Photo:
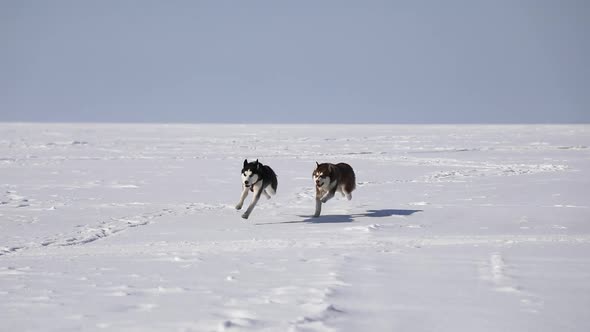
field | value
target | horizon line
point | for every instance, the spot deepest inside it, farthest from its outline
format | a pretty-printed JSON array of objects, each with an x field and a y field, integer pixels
[{"x": 295, "y": 123}]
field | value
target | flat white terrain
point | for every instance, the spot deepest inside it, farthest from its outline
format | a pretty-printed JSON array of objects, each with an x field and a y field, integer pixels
[{"x": 451, "y": 228}]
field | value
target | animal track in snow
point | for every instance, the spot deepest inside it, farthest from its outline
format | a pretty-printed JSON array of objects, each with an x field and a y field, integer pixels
[
  {"x": 316, "y": 322},
  {"x": 472, "y": 170},
  {"x": 238, "y": 319},
  {"x": 15, "y": 200},
  {"x": 90, "y": 233},
  {"x": 124, "y": 290},
  {"x": 123, "y": 186},
  {"x": 104, "y": 229},
  {"x": 495, "y": 271},
  {"x": 13, "y": 270},
  {"x": 85, "y": 234},
  {"x": 365, "y": 229},
  {"x": 9, "y": 250},
  {"x": 498, "y": 274},
  {"x": 305, "y": 193}
]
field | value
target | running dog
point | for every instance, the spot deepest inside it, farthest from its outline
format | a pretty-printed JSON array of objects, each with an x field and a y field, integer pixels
[
  {"x": 259, "y": 179},
  {"x": 330, "y": 178}
]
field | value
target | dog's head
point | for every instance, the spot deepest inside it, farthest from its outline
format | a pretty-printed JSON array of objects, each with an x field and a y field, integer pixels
[
  {"x": 322, "y": 175},
  {"x": 250, "y": 172}
]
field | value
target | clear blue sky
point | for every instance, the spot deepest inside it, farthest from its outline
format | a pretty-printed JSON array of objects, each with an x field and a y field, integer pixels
[{"x": 500, "y": 61}]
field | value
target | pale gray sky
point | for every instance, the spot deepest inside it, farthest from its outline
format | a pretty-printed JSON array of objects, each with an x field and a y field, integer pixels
[{"x": 501, "y": 61}]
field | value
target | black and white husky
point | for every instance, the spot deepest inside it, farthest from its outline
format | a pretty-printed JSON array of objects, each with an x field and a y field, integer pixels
[
  {"x": 259, "y": 179},
  {"x": 330, "y": 178}
]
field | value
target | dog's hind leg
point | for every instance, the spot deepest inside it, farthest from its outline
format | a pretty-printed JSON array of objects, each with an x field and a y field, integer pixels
[
  {"x": 257, "y": 192},
  {"x": 266, "y": 194},
  {"x": 242, "y": 197},
  {"x": 345, "y": 193},
  {"x": 270, "y": 191}
]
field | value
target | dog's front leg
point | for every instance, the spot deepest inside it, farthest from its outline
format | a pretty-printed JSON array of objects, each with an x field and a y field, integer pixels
[
  {"x": 257, "y": 194},
  {"x": 328, "y": 195},
  {"x": 242, "y": 197},
  {"x": 318, "y": 207},
  {"x": 318, "y": 202}
]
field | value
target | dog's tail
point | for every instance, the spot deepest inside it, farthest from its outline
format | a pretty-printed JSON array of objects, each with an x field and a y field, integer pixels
[{"x": 274, "y": 183}]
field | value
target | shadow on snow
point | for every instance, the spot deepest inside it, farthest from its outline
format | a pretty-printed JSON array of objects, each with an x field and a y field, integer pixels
[{"x": 330, "y": 219}]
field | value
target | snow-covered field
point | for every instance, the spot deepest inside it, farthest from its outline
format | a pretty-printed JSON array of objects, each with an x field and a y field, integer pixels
[{"x": 451, "y": 228}]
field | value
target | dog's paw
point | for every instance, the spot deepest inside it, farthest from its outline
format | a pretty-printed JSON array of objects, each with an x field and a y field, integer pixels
[
  {"x": 239, "y": 207},
  {"x": 245, "y": 215},
  {"x": 324, "y": 200},
  {"x": 316, "y": 215}
]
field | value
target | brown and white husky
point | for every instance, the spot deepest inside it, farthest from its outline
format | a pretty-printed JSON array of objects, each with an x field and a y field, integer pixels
[{"x": 330, "y": 178}]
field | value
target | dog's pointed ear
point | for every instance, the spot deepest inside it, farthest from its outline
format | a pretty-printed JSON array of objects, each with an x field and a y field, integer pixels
[
  {"x": 245, "y": 162},
  {"x": 317, "y": 164},
  {"x": 257, "y": 164}
]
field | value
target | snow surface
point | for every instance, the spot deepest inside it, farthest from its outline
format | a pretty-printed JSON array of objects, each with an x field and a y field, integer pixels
[{"x": 451, "y": 228}]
